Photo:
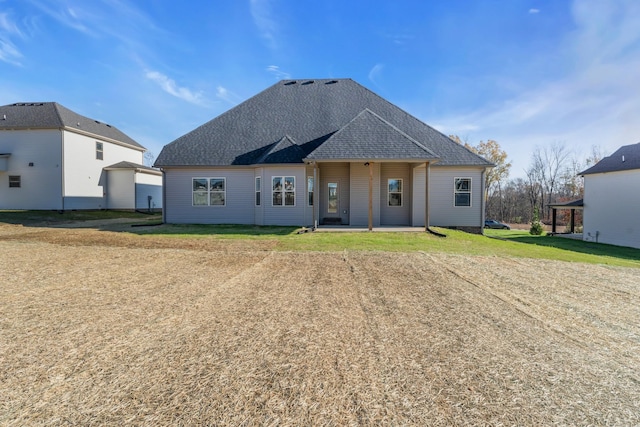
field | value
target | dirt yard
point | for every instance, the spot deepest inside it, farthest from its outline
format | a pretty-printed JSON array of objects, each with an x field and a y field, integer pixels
[{"x": 103, "y": 328}]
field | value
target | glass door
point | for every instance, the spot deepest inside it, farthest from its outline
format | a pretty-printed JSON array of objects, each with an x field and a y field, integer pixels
[{"x": 333, "y": 205}]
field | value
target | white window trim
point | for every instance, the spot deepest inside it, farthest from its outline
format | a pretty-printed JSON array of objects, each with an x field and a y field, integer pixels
[
  {"x": 470, "y": 192},
  {"x": 401, "y": 192},
  {"x": 17, "y": 179},
  {"x": 312, "y": 190},
  {"x": 209, "y": 191},
  {"x": 255, "y": 199},
  {"x": 100, "y": 150},
  {"x": 283, "y": 191}
]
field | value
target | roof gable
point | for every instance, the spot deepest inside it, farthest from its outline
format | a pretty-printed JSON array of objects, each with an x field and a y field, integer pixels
[
  {"x": 51, "y": 115},
  {"x": 284, "y": 151},
  {"x": 310, "y": 112},
  {"x": 369, "y": 136},
  {"x": 625, "y": 158}
]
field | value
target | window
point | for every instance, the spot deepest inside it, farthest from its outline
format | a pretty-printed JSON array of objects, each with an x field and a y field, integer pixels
[
  {"x": 14, "y": 181},
  {"x": 99, "y": 150},
  {"x": 310, "y": 190},
  {"x": 258, "y": 190},
  {"x": 209, "y": 191},
  {"x": 462, "y": 192},
  {"x": 332, "y": 205},
  {"x": 395, "y": 192},
  {"x": 283, "y": 191}
]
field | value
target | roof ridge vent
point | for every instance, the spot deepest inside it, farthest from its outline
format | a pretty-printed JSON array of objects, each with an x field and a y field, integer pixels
[
  {"x": 330, "y": 82},
  {"x": 308, "y": 82},
  {"x": 290, "y": 83}
]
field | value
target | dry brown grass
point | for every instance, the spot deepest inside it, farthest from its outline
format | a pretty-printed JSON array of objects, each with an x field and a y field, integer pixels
[{"x": 106, "y": 328}]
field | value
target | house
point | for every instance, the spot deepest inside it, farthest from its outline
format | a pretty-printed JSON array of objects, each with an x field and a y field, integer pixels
[
  {"x": 612, "y": 200},
  {"x": 52, "y": 158},
  {"x": 321, "y": 152}
]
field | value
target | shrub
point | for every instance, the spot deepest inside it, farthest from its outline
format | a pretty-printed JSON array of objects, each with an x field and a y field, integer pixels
[{"x": 536, "y": 226}]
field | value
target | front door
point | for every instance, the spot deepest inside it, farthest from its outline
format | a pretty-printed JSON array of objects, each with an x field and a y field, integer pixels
[{"x": 334, "y": 194}]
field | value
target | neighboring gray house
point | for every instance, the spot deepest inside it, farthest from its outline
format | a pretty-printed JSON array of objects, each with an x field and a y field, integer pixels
[
  {"x": 612, "y": 200},
  {"x": 307, "y": 152},
  {"x": 52, "y": 158}
]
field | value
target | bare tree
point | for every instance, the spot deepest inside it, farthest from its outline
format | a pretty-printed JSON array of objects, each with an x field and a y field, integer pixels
[
  {"x": 149, "y": 158},
  {"x": 549, "y": 163},
  {"x": 495, "y": 176}
]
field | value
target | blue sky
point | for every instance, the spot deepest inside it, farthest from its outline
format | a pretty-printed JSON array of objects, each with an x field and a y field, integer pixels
[{"x": 526, "y": 73}]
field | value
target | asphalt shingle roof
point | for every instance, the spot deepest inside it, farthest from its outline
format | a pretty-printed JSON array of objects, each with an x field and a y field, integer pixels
[
  {"x": 369, "y": 136},
  {"x": 625, "y": 158},
  {"x": 131, "y": 165},
  {"x": 309, "y": 114},
  {"x": 51, "y": 115}
]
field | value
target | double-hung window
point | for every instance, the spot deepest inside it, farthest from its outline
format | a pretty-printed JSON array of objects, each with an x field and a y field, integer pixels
[
  {"x": 283, "y": 190},
  {"x": 99, "y": 150},
  {"x": 462, "y": 192},
  {"x": 395, "y": 192},
  {"x": 209, "y": 191},
  {"x": 258, "y": 191},
  {"x": 14, "y": 181}
]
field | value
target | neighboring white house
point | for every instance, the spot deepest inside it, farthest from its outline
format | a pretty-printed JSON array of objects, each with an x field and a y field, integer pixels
[
  {"x": 52, "y": 158},
  {"x": 325, "y": 152},
  {"x": 612, "y": 199}
]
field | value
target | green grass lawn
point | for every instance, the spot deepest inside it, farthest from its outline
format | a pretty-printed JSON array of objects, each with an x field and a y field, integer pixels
[{"x": 511, "y": 243}]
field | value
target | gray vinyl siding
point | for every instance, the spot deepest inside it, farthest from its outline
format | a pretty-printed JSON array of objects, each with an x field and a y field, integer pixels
[
  {"x": 335, "y": 172},
  {"x": 359, "y": 196},
  {"x": 239, "y": 208},
  {"x": 395, "y": 215},
  {"x": 285, "y": 215},
  {"x": 419, "y": 197},
  {"x": 441, "y": 201}
]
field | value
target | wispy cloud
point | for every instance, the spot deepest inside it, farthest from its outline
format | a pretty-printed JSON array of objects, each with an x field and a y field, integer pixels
[
  {"x": 278, "y": 73},
  {"x": 9, "y": 53},
  {"x": 261, "y": 12},
  {"x": 375, "y": 72},
  {"x": 170, "y": 86},
  {"x": 227, "y": 96},
  {"x": 69, "y": 17},
  {"x": 533, "y": 11},
  {"x": 595, "y": 102}
]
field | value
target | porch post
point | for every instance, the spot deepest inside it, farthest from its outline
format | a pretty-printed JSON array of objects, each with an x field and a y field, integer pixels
[
  {"x": 573, "y": 221},
  {"x": 553, "y": 220},
  {"x": 370, "y": 195},
  {"x": 427, "y": 169},
  {"x": 315, "y": 194}
]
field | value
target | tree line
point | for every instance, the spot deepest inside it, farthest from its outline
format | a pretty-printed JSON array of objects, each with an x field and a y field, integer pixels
[{"x": 551, "y": 177}]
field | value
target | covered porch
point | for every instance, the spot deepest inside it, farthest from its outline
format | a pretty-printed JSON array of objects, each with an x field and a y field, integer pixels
[
  {"x": 368, "y": 195},
  {"x": 572, "y": 206}
]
